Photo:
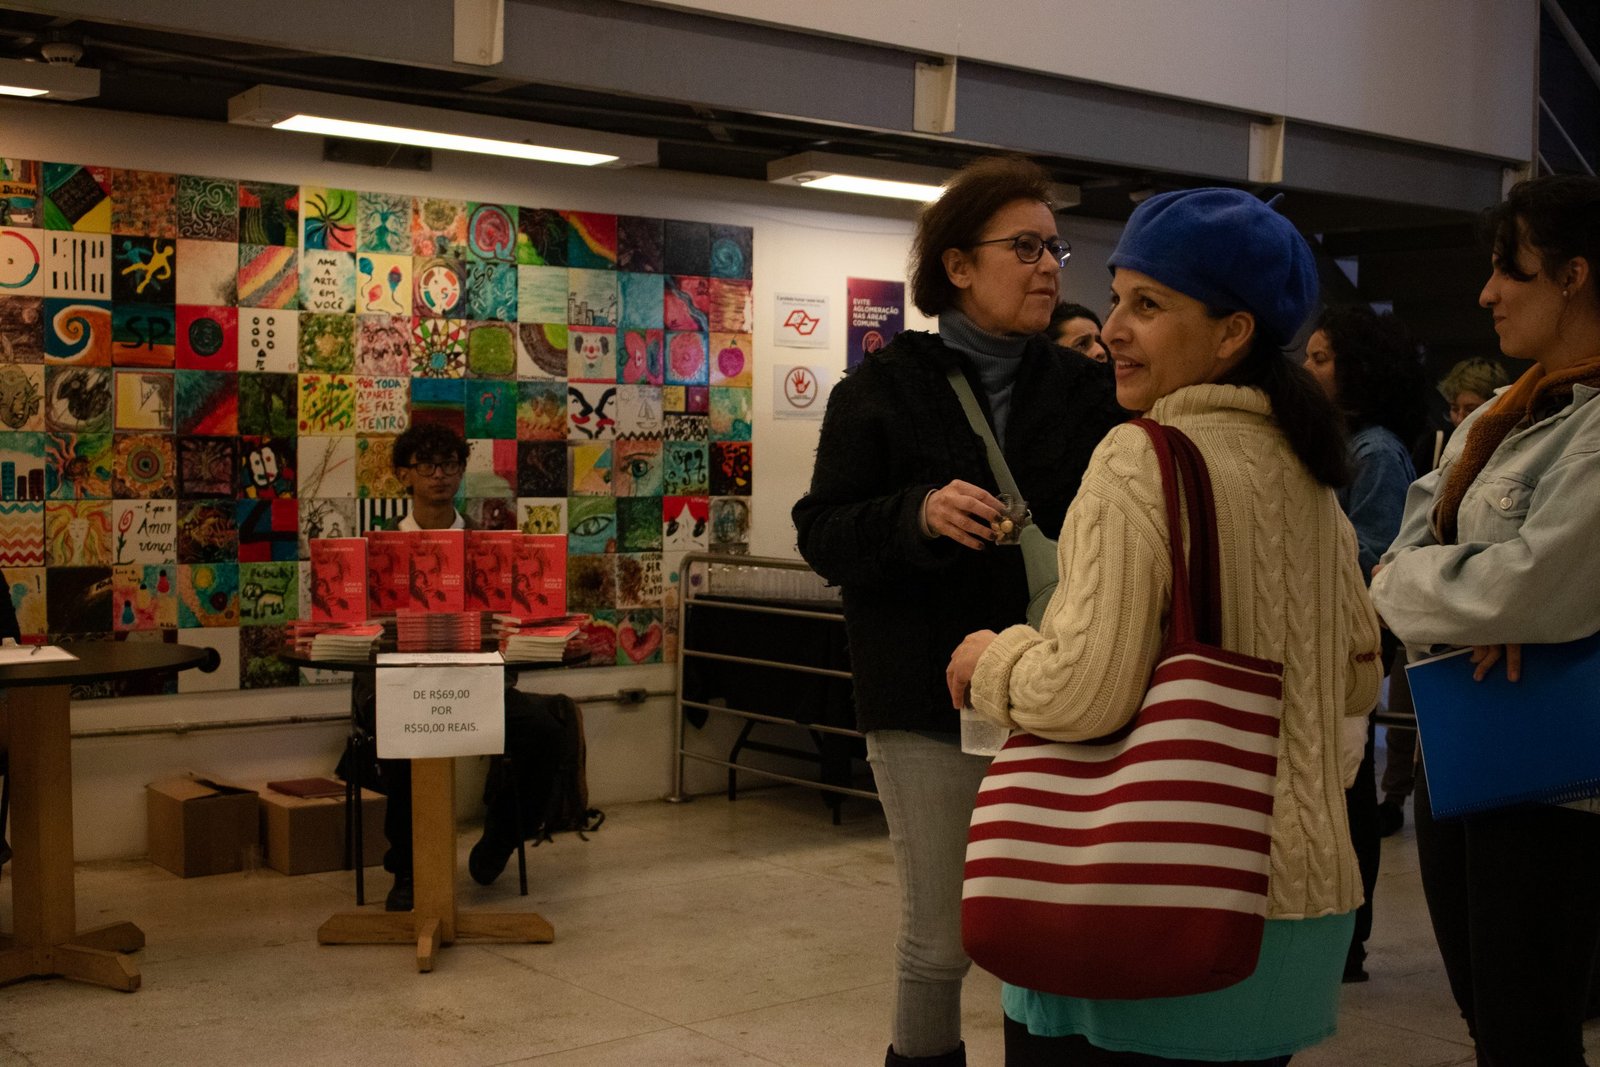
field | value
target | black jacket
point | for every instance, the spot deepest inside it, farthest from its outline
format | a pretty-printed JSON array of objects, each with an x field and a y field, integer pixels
[{"x": 893, "y": 432}]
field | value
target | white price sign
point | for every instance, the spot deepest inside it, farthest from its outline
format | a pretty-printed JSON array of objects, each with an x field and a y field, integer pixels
[{"x": 440, "y": 708}]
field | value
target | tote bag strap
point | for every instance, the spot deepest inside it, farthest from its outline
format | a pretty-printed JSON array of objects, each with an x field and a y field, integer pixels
[
  {"x": 1196, "y": 583},
  {"x": 980, "y": 426}
]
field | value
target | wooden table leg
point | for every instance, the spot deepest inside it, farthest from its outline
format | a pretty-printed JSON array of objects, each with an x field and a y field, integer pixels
[{"x": 45, "y": 940}]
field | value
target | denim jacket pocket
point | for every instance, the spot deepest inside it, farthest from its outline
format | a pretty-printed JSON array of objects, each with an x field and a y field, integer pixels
[{"x": 1500, "y": 508}]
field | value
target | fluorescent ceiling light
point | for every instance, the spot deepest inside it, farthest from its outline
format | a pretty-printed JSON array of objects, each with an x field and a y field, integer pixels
[
  {"x": 54, "y": 81},
  {"x": 424, "y": 127},
  {"x": 848, "y": 174}
]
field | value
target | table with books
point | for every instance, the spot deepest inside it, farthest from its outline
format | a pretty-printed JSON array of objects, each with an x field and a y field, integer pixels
[{"x": 374, "y": 623}]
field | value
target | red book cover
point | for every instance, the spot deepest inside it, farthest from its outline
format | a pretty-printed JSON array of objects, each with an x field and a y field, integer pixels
[
  {"x": 490, "y": 569},
  {"x": 388, "y": 571},
  {"x": 338, "y": 579},
  {"x": 438, "y": 559},
  {"x": 539, "y": 582}
]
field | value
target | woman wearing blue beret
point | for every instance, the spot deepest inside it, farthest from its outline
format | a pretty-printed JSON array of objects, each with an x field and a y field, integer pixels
[{"x": 1208, "y": 286}]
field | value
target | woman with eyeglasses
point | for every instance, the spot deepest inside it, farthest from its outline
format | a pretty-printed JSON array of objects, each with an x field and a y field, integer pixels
[{"x": 902, "y": 515}]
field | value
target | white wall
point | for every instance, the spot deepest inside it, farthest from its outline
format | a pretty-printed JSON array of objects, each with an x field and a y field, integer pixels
[
  {"x": 804, "y": 241},
  {"x": 1454, "y": 73}
]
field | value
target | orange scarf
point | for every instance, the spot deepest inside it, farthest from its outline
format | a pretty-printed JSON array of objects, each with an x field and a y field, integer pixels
[{"x": 1532, "y": 397}]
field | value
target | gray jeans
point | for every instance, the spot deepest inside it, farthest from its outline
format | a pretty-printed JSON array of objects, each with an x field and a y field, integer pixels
[{"x": 927, "y": 788}]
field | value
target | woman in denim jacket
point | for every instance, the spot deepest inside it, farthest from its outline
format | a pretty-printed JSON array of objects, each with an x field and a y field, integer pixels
[{"x": 1497, "y": 549}]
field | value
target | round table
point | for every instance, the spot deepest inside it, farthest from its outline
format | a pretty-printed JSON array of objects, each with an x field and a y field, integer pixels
[{"x": 45, "y": 939}]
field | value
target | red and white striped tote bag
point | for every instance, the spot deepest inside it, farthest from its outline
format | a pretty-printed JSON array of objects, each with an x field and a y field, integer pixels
[{"x": 1135, "y": 865}]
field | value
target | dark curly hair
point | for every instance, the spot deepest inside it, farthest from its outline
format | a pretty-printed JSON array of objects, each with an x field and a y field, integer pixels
[
  {"x": 1377, "y": 369},
  {"x": 957, "y": 218},
  {"x": 430, "y": 441},
  {"x": 1560, "y": 214}
]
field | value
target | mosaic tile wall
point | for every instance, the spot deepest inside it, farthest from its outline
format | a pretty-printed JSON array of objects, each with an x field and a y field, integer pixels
[{"x": 198, "y": 374}]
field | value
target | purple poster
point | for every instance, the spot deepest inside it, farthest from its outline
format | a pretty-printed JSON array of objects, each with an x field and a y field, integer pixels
[{"x": 877, "y": 311}]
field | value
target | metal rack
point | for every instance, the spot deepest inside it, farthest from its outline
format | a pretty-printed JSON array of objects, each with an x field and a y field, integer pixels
[{"x": 761, "y": 586}]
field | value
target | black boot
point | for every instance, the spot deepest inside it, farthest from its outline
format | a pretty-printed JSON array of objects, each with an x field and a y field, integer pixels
[
  {"x": 955, "y": 1058},
  {"x": 401, "y": 895},
  {"x": 493, "y": 850}
]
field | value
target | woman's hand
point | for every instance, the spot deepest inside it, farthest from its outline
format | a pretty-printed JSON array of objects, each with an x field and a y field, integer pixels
[
  {"x": 1486, "y": 656},
  {"x": 963, "y": 512},
  {"x": 963, "y": 662}
]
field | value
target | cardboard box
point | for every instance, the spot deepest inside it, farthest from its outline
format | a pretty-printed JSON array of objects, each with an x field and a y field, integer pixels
[
  {"x": 200, "y": 825},
  {"x": 304, "y": 835}
]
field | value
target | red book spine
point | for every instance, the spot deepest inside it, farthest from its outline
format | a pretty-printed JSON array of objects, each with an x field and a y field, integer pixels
[
  {"x": 539, "y": 582},
  {"x": 338, "y": 579},
  {"x": 388, "y": 571},
  {"x": 438, "y": 560}
]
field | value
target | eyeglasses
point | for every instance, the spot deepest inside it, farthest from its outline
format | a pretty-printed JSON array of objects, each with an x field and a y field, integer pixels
[
  {"x": 1030, "y": 246},
  {"x": 427, "y": 470}
]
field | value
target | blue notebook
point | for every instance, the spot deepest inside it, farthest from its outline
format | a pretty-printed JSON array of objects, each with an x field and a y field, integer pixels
[{"x": 1495, "y": 743}]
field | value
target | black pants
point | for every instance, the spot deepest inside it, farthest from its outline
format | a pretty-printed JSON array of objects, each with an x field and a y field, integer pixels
[
  {"x": 1027, "y": 1050},
  {"x": 1515, "y": 901},
  {"x": 1361, "y": 807}
]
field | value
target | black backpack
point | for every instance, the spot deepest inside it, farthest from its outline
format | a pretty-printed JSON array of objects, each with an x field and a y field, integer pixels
[{"x": 548, "y": 759}]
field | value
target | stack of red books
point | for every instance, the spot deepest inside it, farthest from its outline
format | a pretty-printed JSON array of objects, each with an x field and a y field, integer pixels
[
  {"x": 438, "y": 631},
  {"x": 537, "y": 639}
]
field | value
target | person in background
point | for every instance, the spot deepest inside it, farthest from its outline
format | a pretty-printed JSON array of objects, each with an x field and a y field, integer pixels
[
  {"x": 1497, "y": 550},
  {"x": 900, "y": 514},
  {"x": 1368, "y": 365},
  {"x": 1208, "y": 286},
  {"x": 1467, "y": 387},
  {"x": 1076, "y": 327}
]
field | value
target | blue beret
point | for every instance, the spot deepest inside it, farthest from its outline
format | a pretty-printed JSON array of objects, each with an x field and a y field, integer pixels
[{"x": 1227, "y": 249}]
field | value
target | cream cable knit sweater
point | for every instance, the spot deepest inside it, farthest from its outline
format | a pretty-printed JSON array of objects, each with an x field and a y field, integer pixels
[{"x": 1293, "y": 593}]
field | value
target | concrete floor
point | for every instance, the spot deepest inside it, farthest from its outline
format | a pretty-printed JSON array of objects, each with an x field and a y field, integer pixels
[{"x": 711, "y": 934}]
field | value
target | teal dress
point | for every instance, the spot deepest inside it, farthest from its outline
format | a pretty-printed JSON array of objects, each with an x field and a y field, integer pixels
[{"x": 1291, "y": 1002}]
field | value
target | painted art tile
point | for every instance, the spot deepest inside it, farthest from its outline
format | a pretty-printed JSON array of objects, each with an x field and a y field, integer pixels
[
  {"x": 686, "y": 248},
  {"x": 143, "y": 335},
  {"x": 207, "y": 208},
  {"x": 206, "y": 466},
  {"x": 491, "y": 349},
  {"x": 730, "y": 468},
  {"x": 375, "y": 475},
  {"x": 591, "y": 354},
  {"x": 687, "y": 304},
  {"x": 640, "y": 632},
  {"x": 19, "y": 193},
  {"x": 27, "y": 591},
  {"x": 590, "y": 411},
  {"x": 730, "y": 414},
  {"x": 269, "y": 214},
  {"x": 327, "y": 281},
  {"x": 76, "y": 198},
  {"x": 77, "y": 533},
  {"x": 592, "y": 298},
  {"x": 383, "y": 223},
  {"x": 730, "y": 525},
  {"x": 327, "y": 467},
  {"x": 266, "y": 469},
  {"x": 207, "y": 402},
  {"x": 269, "y": 276},
  {"x": 590, "y": 466},
  {"x": 208, "y": 532},
  {"x": 492, "y": 409},
  {"x": 643, "y": 301},
  {"x": 260, "y": 665},
  {"x": 208, "y": 594},
  {"x": 22, "y": 397},
  {"x": 78, "y": 466},
  {"x": 144, "y": 596},
  {"x": 591, "y": 525},
  {"x": 145, "y": 466},
  {"x": 144, "y": 203},
  {"x": 208, "y": 338},
  {"x": 210, "y": 275},
  {"x": 731, "y": 309},
  {"x": 327, "y": 343},
  {"x": 383, "y": 345},
  {"x": 77, "y": 266},
  {"x": 383, "y": 513},
  {"x": 642, "y": 359},
  {"x": 328, "y": 517},
  {"x": 438, "y": 348},
  {"x": 546, "y": 516},
  {"x": 639, "y": 411},
  {"x": 439, "y": 228},
  {"x": 492, "y": 233},
  {"x": 491, "y": 513},
  {"x": 269, "y": 403},
  {"x": 491, "y": 468},
  {"x": 685, "y": 469},
  {"x": 542, "y": 237},
  {"x": 731, "y": 251},
  {"x": 327, "y": 404},
  {"x": 269, "y": 341},
  {"x": 328, "y": 219},
  {"x": 591, "y": 239},
  {"x": 21, "y": 535},
  {"x": 269, "y": 530},
  {"x": 639, "y": 524},
  {"x": 591, "y": 583},
  {"x": 491, "y": 290},
  {"x": 383, "y": 404},
  {"x": 542, "y": 294},
  {"x": 730, "y": 359},
  {"x": 77, "y": 399},
  {"x": 383, "y": 284},
  {"x": 440, "y": 288},
  {"x": 636, "y": 464},
  {"x": 541, "y": 468},
  {"x": 639, "y": 586},
  {"x": 541, "y": 411},
  {"x": 22, "y": 261},
  {"x": 687, "y": 361},
  {"x": 144, "y": 531},
  {"x": 144, "y": 270},
  {"x": 440, "y": 400},
  {"x": 21, "y": 328},
  {"x": 697, "y": 402},
  {"x": 542, "y": 350},
  {"x": 144, "y": 400},
  {"x": 268, "y": 593},
  {"x": 640, "y": 244}
]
